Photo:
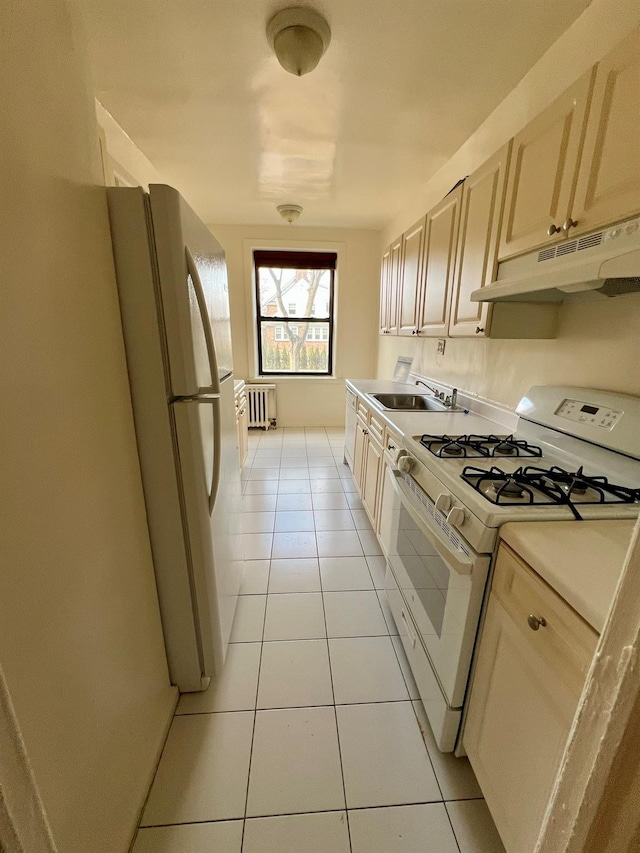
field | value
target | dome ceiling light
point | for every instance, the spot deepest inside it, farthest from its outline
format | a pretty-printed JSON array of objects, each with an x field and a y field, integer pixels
[
  {"x": 299, "y": 37},
  {"x": 289, "y": 212}
]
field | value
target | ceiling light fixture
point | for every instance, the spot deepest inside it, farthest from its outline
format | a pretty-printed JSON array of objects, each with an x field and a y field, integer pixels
[
  {"x": 289, "y": 212},
  {"x": 299, "y": 37}
]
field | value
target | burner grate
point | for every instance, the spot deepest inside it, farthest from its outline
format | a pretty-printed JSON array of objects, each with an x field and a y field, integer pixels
[
  {"x": 546, "y": 486},
  {"x": 485, "y": 446}
]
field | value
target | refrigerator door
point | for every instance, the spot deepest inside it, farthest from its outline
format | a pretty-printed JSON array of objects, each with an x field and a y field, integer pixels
[
  {"x": 207, "y": 451},
  {"x": 194, "y": 295}
]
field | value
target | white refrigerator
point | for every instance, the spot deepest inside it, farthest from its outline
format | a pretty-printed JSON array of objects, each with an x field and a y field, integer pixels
[{"x": 174, "y": 301}]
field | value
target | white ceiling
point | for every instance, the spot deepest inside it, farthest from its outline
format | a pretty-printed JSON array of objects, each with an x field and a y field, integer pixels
[{"x": 403, "y": 84}]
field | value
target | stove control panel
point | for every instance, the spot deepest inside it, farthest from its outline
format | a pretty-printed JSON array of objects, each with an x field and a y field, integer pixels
[{"x": 589, "y": 414}]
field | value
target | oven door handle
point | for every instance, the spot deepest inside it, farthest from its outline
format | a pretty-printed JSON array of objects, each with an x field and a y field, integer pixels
[{"x": 451, "y": 557}]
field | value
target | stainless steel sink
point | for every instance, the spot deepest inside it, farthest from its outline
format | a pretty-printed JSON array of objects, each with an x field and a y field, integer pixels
[{"x": 410, "y": 402}]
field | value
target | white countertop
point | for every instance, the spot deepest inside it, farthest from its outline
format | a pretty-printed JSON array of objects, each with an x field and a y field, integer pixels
[
  {"x": 419, "y": 423},
  {"x": 581, "y": 560}
]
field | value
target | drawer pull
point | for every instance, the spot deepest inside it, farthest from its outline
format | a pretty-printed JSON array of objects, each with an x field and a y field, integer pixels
[{"x": 534, "y": 622}]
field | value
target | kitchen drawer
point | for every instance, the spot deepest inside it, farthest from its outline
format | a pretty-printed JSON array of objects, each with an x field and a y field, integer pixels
[
  {"x": 376, "y": 429},
  {"x": 526, "y": 597},
  {"x": 444, "y": 721},
  {"x": 362, "y": 410}
]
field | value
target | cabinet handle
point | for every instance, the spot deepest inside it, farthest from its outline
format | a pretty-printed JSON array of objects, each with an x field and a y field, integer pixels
[
  {"x": 534, "y": 622},
  {"x": 569, "y": 223},
  {"x": 553, "y": 229},
  {"x": 479, "y": 330},
  {"x": 365, "y": 432}
]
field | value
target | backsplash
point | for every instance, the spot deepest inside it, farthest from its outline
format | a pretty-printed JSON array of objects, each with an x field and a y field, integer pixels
[{"x": 597, "y": 346}]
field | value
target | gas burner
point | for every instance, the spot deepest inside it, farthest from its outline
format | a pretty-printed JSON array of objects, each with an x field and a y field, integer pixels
[
  {"x": 458, "y": 446},
  {"x": 506, "y": 445},
  {"x": 504, "y": 449},
  {"x": 469, "y": 446},
  {"x": 546, "y": 486},
  {"x": 508, "y": 488},
  {"x": 452, "y": 449},
  {"x": 578, "y": 487}
]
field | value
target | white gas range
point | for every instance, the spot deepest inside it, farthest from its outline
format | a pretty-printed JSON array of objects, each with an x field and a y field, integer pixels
[{"x": 574, "y": 455}]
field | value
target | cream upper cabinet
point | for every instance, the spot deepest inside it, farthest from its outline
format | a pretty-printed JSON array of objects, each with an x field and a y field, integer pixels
[
  {"x": 390, "y": 283},
  {"x": 543, "y": 172},
  {"x": 524, "y": 695},
  {"x": 412, "y": 278},
  {"x": 385, "y": 284},
  {"x": 439, "y": 253},
  {"x": 609, "y": 178},
  {"x": 395, "y": 284},
  {"x": 476, "y": 257}
]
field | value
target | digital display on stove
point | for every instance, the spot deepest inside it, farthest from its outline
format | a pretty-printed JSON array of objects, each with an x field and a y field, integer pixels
[{"x": 590, "y": 416}]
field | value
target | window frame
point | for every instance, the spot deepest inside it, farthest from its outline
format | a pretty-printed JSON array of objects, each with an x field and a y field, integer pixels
[{"x": 296, "y": 259}]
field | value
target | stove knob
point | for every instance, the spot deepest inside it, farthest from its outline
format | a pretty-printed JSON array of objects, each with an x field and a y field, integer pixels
[
  {"x": 443, "y": 502},
  {"x": 456, "y": 516},
  {"x": 406, "y": 464}
]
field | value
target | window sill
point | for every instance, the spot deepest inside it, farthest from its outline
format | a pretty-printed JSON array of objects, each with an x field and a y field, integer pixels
[{"x": 282, "y": 377}]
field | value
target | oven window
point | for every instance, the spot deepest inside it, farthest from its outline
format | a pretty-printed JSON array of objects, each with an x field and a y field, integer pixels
[{"x": 427, "y": 571}]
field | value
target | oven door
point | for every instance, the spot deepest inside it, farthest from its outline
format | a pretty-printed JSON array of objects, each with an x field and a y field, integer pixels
[{"x": 440, "y": 578}]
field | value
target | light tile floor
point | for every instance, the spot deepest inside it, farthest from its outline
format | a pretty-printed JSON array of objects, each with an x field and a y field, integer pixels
[{"x": 314, "y": 740}]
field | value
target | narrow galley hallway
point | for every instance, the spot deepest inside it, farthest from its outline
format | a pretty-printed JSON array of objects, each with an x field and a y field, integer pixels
[{"x": 314, "y": 740}]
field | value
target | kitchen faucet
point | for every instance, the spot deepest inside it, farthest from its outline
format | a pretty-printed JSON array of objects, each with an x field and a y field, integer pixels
[{"x": 449, "y": 401}]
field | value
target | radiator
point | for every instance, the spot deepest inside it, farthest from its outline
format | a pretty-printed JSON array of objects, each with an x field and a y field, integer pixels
[{"x": 261, "y": 399}]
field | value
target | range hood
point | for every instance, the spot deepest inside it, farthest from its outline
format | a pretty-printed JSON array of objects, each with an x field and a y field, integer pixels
[{"x": 601, "y": 264}]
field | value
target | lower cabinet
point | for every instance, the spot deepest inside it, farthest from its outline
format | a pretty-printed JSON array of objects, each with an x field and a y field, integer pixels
[
  {"x": 374, "y": 445},
  {"x": 371, "y": 475},
  {"x": 242, "y": 425},
  {"x": 358, "y": 452},
  {"x": 533, "y": 657}
]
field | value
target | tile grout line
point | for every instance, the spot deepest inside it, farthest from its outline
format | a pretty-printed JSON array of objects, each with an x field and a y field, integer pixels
[
  {"x": 255, "y": 717},
  {"x": 335, "y": 716},
  {"x": 317, "y": 811}
]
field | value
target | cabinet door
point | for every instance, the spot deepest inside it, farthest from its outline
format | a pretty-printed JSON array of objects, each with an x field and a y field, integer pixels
[
  {"x": 476, "y": 257},
  {"x": 395, "y": 284},
  {"x": 609, "y": 179},
  {"x": 439, "y": 252},
  {"x": 523, "y": 698},
  {"x": 358, "y": 454},
  {"x": 371, "y": 478},
  {"x": 543, "y": 172},
  {"x": 385, "y": 283},
  {"x": 412, "y": 276},
  {"x": 520, "y": 713}
]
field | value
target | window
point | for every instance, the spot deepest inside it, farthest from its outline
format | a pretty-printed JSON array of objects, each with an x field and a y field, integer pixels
[{"x": 292, "y": 285}]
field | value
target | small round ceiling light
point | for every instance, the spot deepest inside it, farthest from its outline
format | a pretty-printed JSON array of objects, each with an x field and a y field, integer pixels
[
  {"x": 289, "y": 212},
  {"x": 299, "y": 37}
]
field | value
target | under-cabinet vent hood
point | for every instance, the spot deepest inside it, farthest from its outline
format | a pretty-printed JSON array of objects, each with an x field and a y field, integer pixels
[{"x": 603, "y": 263}]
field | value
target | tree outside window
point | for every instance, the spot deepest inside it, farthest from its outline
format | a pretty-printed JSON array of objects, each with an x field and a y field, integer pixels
[{"x": 292, "y": 284}]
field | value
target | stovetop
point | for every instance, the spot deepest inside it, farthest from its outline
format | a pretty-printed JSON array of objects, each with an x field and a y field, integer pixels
[
  {"x": 478, "y": 446},
  {"x": 534, "y": 485},
  {"x": 561, "y": 455}
]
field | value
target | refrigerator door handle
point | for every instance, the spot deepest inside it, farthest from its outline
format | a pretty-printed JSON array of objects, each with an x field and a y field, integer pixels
[
  {"x": 204, "y": 315},
  {"x": 217, "y": 454}
]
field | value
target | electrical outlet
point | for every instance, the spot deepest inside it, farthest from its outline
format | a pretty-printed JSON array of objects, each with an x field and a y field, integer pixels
[{"x": 441, "y": 345}]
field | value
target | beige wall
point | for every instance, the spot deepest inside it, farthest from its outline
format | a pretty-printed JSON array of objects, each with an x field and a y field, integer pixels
[
  {"x": 80, "y": 636},
  {"x": 309, "y": 402},
  {"x": 598, "y": 343}
]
